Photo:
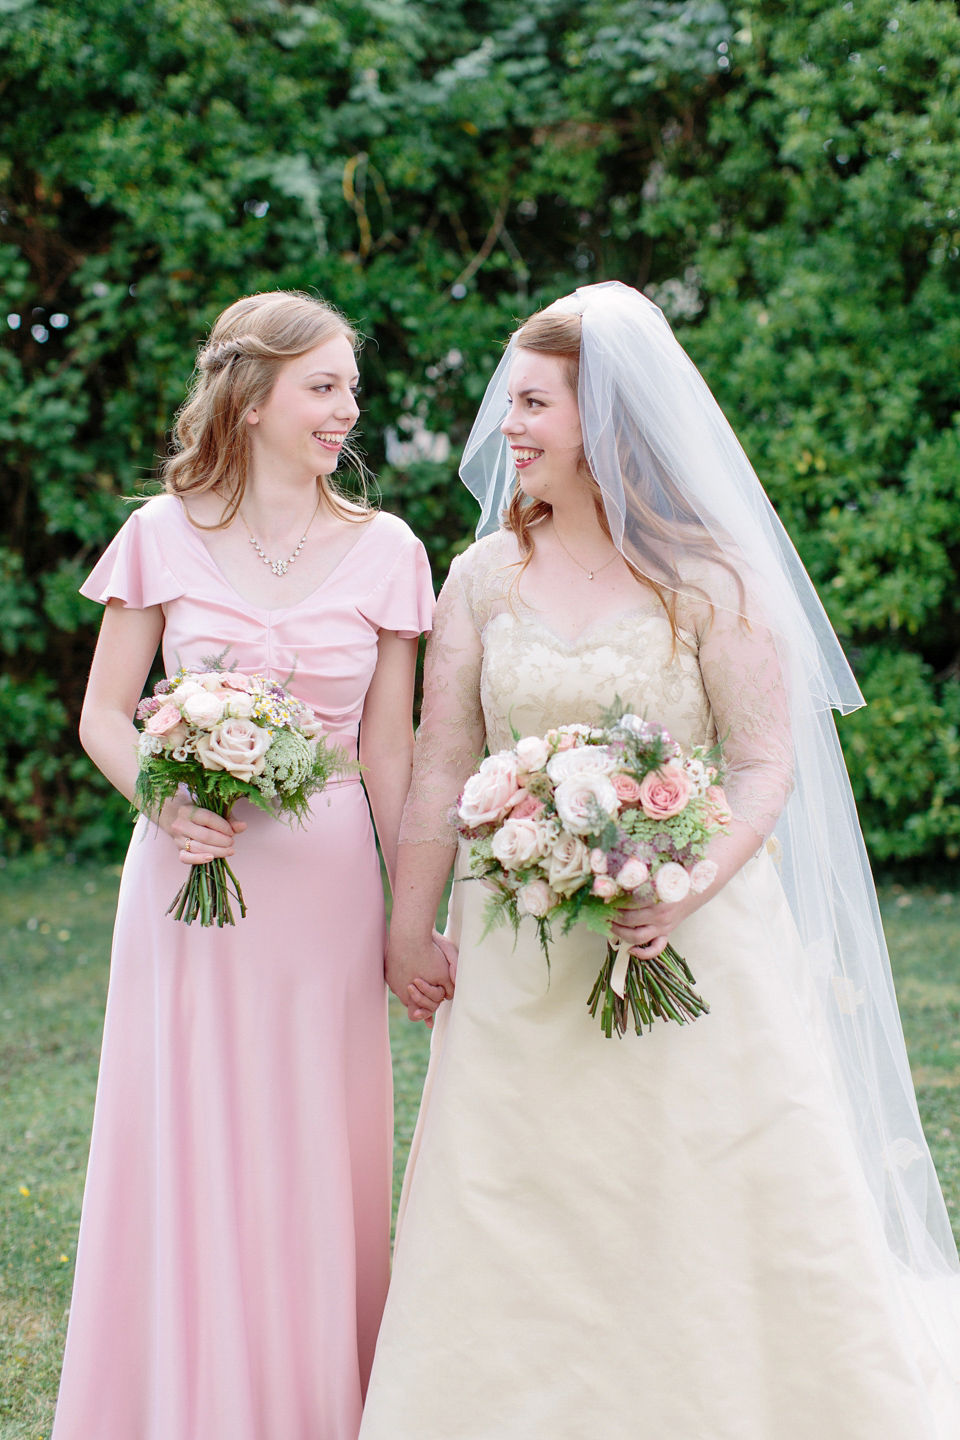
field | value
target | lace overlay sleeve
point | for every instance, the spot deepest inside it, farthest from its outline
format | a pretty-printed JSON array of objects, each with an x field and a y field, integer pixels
[
  {"x": 745, "y": 686},
  {"x": 451, "y": 736}
]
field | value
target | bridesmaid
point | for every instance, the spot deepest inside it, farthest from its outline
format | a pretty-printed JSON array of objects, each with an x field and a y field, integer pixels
[{"x": 233, "y": 1254}]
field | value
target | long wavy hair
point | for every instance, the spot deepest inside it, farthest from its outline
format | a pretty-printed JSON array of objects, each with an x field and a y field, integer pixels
[
  {"x": 236, "y": 372},
  {"x": 659, "y": 524}
]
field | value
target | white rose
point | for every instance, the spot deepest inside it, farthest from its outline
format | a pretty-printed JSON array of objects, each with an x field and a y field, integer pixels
[
  {"x": 672, "y": 883},
  {"x": 585, "y": 803},
  {"x": 517, "y": 843},
  {"x": 532, "y": 753},
  {"x": 487, "y": 794},
  {"x": 240, "y": 704},
  {"x": 210, "y": 680},
  {"x": 703, "y": 875},
  {"x": 568, "y": 864},
  {"x": 536, "y": 898},
  {"x": 585, "y": 760},
  {"x": 203, "y": 709},
  {"x": 632, "y": 874},
  {"x": 185, "y": 688},
  {"x": 237, "y": 746},
  {"x": 309, "y": 724}
]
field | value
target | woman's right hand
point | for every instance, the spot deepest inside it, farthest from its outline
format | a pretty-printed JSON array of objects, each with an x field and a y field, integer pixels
[{"x": 200, "y": 835}]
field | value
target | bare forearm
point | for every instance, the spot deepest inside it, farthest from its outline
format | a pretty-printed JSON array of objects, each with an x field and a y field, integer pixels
[
  {"x": 387, "y": 780},
  {"x": 422, "y": 872},
  {"x": 110, "y": 739}
]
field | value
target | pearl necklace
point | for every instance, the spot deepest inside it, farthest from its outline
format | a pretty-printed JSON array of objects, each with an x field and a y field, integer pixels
[{"x": 279, "y": 567}]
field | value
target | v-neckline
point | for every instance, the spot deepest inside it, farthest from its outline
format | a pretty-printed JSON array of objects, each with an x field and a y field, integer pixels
[{"x": 268, "y": 609}]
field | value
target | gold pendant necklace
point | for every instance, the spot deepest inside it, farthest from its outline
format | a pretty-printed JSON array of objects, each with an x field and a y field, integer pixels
[
  {"x": 589, "y": 573},
  {"x": 279, "y": 567}
]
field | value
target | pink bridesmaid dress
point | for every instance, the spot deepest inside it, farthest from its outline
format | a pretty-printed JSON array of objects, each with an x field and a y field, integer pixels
[{"x": 234, "y": 1245}]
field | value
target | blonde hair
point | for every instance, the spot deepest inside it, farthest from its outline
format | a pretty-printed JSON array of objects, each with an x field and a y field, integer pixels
[
  {"x": 236, "y": 371},
  {"x": 650, "y": 535}
]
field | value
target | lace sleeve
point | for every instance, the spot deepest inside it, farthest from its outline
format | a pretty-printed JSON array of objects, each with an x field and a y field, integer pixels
[
  {"x": 451, "y": 736},
  {"x": 745, "y": 686}
]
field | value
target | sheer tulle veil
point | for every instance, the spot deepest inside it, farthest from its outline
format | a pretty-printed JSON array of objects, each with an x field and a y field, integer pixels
[{"x": 677, "y": 487}]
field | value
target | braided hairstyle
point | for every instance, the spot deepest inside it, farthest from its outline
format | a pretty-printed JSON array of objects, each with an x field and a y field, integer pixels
[{"x": 236, "y": 371}]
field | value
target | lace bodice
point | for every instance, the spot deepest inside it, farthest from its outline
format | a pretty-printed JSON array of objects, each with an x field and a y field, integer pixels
[{"x": 494, "y": 666}]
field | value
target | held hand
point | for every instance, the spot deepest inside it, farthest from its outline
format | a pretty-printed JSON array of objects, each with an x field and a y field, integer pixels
[
  {"x": 200, "y": 834},
  {"x": 419, "y": 973},
  {"x": 647, "y": 929}
]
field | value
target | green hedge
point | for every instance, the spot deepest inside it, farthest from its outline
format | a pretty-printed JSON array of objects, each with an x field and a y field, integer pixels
[{"x": 783, "y": 178}]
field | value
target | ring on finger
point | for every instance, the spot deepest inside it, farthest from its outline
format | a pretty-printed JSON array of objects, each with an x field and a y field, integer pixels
[{"x": 186, "y": 845}]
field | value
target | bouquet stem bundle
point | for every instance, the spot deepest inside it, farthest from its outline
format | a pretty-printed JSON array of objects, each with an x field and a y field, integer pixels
[
  {"x": 205, "y": 894},
  {"x": 659, "y": 988}
]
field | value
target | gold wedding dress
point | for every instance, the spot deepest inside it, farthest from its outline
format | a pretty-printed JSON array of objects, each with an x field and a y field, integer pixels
[{"x": 656, "y": 1238}]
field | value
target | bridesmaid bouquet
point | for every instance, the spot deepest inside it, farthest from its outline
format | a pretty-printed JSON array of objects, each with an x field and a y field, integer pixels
[
  {"x": 223, "y": 736},
  {"x": 589, "y": 820}
]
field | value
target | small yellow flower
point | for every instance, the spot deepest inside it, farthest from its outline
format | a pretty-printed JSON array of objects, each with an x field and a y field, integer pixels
[
  {"x": 63, "y": 934},
  {"x": 24, "y": 1191},
  {"x": 64, "y": 1259}
]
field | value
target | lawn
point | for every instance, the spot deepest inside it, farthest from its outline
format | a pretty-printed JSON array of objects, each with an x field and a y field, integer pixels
[{"x": 54, "y": 941}]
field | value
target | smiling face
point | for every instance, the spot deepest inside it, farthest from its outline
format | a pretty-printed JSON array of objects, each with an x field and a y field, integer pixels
[
  {"x": 310, "y": 410},
  {"x": 543, "y": 425}
]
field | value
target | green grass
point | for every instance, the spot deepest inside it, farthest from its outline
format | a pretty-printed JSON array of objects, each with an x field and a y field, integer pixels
[{"x": 55, "y": 928}]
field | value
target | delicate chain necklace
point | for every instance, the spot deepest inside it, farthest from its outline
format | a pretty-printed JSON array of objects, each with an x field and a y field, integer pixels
[
  {"x": 280, "y": 567},
  {"x": 589, "y": 573}
]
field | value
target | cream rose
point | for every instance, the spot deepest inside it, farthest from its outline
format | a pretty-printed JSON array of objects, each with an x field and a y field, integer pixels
[
  {"x": 665, "y": 792},
  {"x": 203, "y": 709},
  {"x": 672, "y": 883},
  {"x": 604, "y": 886},
  {"x": 585, "y": 803},
  {"x": 536, "y": 899},
  {"x": 211, "y": 680},
  {"x": 185, "y": 688},
  {"x": 241, "y": 704},
  {"x": 702, "y": 876},
  {"x": 309, "y": 724},
  {"x": 568, "y": 864},
  {"x": 518, "y": 843},
  {"x": 632, "y": 874},
  {"x": 598, "y": 862},
  {"x": 585, "y": 760},
  {"x": 237, "y": 746},
  {"x": 487, "y": 794},
  {"x": 532, "y": 753}
]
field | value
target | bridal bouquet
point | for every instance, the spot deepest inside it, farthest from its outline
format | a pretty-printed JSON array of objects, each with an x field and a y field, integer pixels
[
  {"x": 223, "y": 736},
  {"x": 590, "y": 820}
]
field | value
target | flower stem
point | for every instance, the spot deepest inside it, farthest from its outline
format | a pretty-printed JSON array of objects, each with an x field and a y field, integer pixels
[{"x": 658, "y": 988}]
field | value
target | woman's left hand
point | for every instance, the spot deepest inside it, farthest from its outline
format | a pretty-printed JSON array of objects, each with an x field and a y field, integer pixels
[{"x": 647, "y": 929}]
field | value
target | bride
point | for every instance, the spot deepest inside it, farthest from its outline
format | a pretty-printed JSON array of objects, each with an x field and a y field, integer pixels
[{"x": 729, "y": 1231}]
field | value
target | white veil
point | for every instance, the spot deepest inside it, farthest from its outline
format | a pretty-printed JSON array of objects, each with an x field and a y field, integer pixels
[{"x": 660, "y": 448}]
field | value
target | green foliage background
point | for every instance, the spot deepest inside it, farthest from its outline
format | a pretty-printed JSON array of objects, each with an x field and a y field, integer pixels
[{"x": 784, "y": 177}]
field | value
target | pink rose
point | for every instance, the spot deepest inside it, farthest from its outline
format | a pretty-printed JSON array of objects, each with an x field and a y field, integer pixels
[
  {"x": 535, "y": 899},
  {"x": 526, "y": 807},
  {"x": 585, "y": 803},
  {"x": 702, "y": 876},
  {"x": 566, "y": 742},
  {"x": 718, "y": 810},
  {"x": 487, "y": 794},
  {"x": 672, "y": 883},
  {"x": 518, "y": 843},
  {"x": 604, "y": 886},
  {"x": 628, "y": 789},
  {"x": 598, "y": 862},
  {"x": 665, "y": 792},
  {"x": 231, "y": 680},
  {"x": 165, "y": 720},
  {"x": 632, "y": 875},
  {"x": 237, "y": 746}
]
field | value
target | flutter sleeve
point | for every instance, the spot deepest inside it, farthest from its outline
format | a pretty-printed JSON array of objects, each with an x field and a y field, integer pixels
[
  {"x": 133, "y": 567},
  {"x": 403, "y": 599},
  {"x": 745, "y": 685},
  {"x": 451, "y": 736}
]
